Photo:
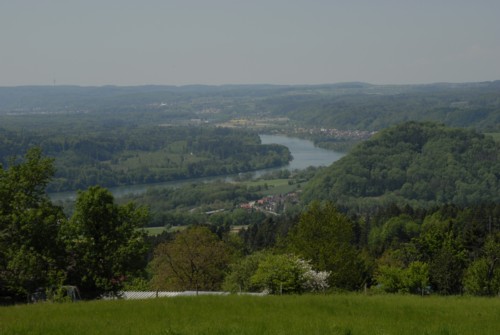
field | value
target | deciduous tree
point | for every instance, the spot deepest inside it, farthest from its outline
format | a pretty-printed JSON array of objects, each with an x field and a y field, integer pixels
[
  {"x": 30, "y": 254},
  {"x": 195, "y": 260},
  {"x": 325, "y": 236},
  {"x": 287, "y": 273},
  {"x": 482, "y": 277},
  {"x": 104, "y": 242}
]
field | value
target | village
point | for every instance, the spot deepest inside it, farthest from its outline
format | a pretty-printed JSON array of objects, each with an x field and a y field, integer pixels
[{"x": 272, "y": 204}]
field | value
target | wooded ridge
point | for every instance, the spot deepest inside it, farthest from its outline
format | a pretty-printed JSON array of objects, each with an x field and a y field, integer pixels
[{"x": 420, "y": 164}]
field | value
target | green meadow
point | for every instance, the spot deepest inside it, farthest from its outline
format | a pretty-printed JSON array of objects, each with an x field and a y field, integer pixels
[
  {"x": 306, "y": 314},
  {"x": 274, "y": 186}
]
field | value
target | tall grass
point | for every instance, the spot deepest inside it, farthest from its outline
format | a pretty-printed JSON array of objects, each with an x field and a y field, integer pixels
[{"x": 332, "y": 314}]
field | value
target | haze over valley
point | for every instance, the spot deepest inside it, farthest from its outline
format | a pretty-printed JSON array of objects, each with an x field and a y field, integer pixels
[{"x": 346, "y": 154}]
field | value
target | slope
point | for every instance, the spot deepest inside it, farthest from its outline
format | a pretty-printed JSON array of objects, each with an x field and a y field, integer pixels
[{"x": 421, "y": 164}]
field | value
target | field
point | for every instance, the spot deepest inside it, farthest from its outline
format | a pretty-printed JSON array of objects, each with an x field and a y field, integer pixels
[
  {"x": 328, "y": 314},
  {"x": 153, "y": 231},
  {"x": 274, "y": 186}
]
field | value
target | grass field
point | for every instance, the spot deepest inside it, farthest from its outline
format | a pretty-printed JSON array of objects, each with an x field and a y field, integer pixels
[
  {"x": 275, "y": 186},
  {"x": 329, "y": 314},
  {"x": 152, "y": 231}
]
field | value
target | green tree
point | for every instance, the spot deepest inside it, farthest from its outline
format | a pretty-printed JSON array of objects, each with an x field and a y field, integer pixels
[
  {"x": 394, "y": 278},
  {"x": 279, "y": 274},
  {"x": 390, "y": 278},
  {"x": 416, "y": 277},
  {"x": 447, "y": 266},
  {"x": 241, "y": 272},
  {"x": 104, "y": 242},
  {"x": 30, "y": 255},
  {"x": 195, "y": 260},
  {"x": 482, "y": 277},
  {"x": 477, "y": 280},
  {"x": 324, "y": 236}
]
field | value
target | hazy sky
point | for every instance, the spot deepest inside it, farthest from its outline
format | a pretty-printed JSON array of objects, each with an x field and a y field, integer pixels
[{"x": 178, "y": 42}]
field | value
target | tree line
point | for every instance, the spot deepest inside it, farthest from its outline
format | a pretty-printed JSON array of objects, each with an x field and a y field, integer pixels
[
  {"x": 445, "y": 250},
  {"x": 101, "y": 248},
  {"x": 149, "y": 154}
]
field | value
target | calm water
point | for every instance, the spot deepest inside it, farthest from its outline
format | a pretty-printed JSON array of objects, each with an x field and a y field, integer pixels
[{"x": 304, "y": 154}]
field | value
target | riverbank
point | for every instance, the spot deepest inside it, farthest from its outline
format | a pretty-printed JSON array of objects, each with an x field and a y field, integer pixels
[{"x": 304, "y": 153}]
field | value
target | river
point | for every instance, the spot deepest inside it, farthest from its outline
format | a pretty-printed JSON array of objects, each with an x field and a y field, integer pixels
[{"x": 304, "y": 154}]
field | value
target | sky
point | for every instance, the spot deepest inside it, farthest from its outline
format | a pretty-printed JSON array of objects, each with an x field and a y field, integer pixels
[{"x": 215, "y": 42}]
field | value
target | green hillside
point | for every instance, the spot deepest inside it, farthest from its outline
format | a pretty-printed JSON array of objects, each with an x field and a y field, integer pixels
[{"x": 421, "y": 164}]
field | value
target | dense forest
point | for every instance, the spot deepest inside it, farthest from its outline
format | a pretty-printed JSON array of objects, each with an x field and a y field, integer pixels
[
  {"x": 446, "y": 249},
  {"x": 414, "y": 209},
  {"x": 420, "y": 164},
  {"x": 133, "y": 155}
]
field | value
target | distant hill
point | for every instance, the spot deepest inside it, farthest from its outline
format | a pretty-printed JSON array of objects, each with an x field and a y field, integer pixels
[
  {"x": 355, "y": 105},
  {"x": 421, "y": 164},
  {"x": 375, "y": 107}
]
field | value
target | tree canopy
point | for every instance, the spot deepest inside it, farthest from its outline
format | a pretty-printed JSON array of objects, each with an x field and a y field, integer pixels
[
  {"x": 40, "y": 249},
  {"x": 30, "y": 254},
  {"x": 195, "y": 260},
  {"x": 421, "y": 164},
  {"x": 325, "y": 236},
  {"x": 104, "y": 242}
]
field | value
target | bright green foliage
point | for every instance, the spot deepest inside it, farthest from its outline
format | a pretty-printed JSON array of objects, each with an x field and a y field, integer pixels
[
  {"x": 279, "y": 274},
  {"x": 324, "y": 236},
  {"x": 195, "y": 260},
  {"x": 30, "y": 254},
  {"x": 483, "y": 275},
  {"x": 239, "y": 277},
  {"x": 395, "y": 279},
  {"x": 481, "y": 279},
  {"x": 389, "y": 278},
  {"x": 416, "y": 277},
  {"x": 275, "y": 273},
  {"x": 104, "y": 243}
]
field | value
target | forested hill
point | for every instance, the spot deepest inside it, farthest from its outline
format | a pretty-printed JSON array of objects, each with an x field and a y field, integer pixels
[
  {"x": 420, "y": 164},
  {"x": 376, "y": 107}
]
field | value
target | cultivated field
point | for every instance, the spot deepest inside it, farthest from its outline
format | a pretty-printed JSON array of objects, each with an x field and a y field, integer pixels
[{"x": 332, "y": 314}]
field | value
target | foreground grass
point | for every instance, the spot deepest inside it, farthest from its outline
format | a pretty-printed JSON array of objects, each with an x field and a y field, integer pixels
[{"x": 333, "y": 314}]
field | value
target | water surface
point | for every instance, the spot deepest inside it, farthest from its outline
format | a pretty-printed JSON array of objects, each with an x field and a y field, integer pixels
[{"x": 304, "y": 154}]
